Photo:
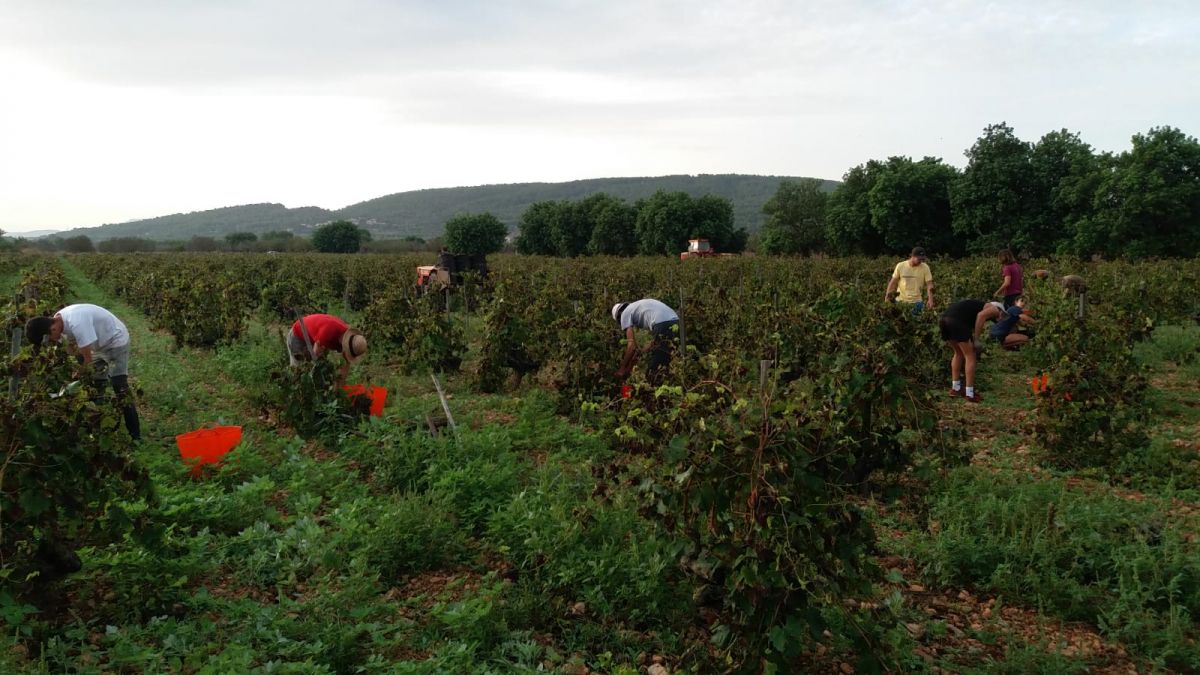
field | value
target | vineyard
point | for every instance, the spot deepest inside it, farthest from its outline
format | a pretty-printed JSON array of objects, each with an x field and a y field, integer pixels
[{"x": 799, "y": 493}]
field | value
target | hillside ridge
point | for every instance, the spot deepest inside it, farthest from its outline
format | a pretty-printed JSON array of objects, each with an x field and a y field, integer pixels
[{"x": 423, "y": 213}]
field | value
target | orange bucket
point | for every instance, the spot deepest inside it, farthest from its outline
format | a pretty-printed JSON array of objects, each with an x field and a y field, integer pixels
[
  {"x": 207, "y": 446},
  {"x": 378, "y": 396}
]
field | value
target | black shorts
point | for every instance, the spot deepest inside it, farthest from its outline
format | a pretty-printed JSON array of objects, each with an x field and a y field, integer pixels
[{"x": 954, "y": 330}]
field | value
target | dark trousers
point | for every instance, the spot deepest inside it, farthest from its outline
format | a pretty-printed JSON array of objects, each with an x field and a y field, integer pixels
[
  {"x": 120, "y": 387},
  {"x": 662, "y": 348}
]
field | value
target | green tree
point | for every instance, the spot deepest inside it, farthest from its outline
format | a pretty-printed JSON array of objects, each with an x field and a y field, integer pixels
[
  {"x": 613, "y": 228},
  {"x": 202, "y": 244},
  {"x": 340, "y": 236},
  {"x": 910, "y": 205},
  {"x": 78, "y": 244},
  {"x": 475, "y": 234},
  {"x": 849, "y": 229},
  {"x": 795, "y": 218},
  {"x": 237, "y": 240},
  {"x": 125, "y": 245},
  {"x": 1148, "y": 203},
  {"x": 666, "y": 220},
  {"x": 1067, "y": 173},
  {"x": 996, "y": 202},
  {"x": 537, "y": 228}
]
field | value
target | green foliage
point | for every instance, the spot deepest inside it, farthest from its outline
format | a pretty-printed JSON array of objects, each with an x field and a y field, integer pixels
[
  {"x": 239, "y": 240},
  {"x": 1094, "y": 410},
  {"x": 574, "y": 548},
  {"x": 757, "y": 479},
  {"x": 849, "y": 228},
  {"x": 666, "y": 220},
  {"x": 795, "y": 218},
  {"x": 78, "y": 244},
  {"x": 413, "y": 533},
  {"x": 892, "y": 206},
  {"x": 996, "y": 198},
  {"x": 1148, "y": 205},
  {"x": 125, "y": 245},
  {"x": 204, "y": 312},
  {"x": 475, "y": 234},
  {"x": 308, "y": 400},
  {"x": 68, "y": 465},
  {"x": 1082, "y": 555},
  {"x": 910, "y": 205},
  {"x": 282, "y": 300},
  {"x": 340, "y": 236},
  {"x": 424, "y": 334}
]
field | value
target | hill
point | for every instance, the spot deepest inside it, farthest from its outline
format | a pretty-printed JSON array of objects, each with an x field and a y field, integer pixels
[{"x": 424, "y": 212}]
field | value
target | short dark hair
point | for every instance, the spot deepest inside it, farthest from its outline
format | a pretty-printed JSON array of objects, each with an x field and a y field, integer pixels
[{"x": 36, "y": 330}]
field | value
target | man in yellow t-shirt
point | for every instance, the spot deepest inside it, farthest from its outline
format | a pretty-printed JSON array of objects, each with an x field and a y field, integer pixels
[{"x": 911, "y": 277}]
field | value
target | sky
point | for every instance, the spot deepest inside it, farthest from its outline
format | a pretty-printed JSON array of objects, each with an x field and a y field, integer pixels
[{"x": 120, "y": 110}]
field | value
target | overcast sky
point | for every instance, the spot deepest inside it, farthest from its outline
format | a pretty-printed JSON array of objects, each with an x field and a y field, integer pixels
[{"x": 126, "y": 109}]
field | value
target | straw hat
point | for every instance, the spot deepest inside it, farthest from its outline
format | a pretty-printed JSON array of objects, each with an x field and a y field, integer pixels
[{"x": 354, "y": 345}]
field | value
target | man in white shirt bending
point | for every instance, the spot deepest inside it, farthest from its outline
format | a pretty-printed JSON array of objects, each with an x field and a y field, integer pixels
[
  {"x": 97, "y": 335},
  {"x": 663, "y": 324}
]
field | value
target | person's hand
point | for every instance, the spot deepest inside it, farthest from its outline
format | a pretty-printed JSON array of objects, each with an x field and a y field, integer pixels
[{"x": 929, "y": 305}]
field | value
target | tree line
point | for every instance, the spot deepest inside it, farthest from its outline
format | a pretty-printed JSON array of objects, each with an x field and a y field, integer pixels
[
  {"x": 336, "y": 237},
  {"x": 1055, "y": 196}
]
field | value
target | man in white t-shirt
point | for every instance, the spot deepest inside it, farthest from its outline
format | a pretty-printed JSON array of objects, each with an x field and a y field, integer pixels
[
  {"x": 97, "y": 335},
  {"x": 663, "y": 324}
]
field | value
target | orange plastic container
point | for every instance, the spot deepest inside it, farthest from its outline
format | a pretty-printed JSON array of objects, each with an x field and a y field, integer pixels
[
  {"x": 207, "y": 446},
  {"x": 378, "y": 396}
]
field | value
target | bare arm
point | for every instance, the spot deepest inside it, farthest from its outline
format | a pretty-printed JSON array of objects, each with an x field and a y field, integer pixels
[
  {"x": 630, "y": 354},
  {"x": 891, "y": 288},
  {"x": 86, "y": 353},
  {"x": 1004, "y": 286},
  {"x": 988, "y": 312},
  {"x": 929, "y": 294}
]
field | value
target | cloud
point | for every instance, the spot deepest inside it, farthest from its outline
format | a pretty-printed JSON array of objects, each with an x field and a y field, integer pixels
[{"x": 129, "y": 107}]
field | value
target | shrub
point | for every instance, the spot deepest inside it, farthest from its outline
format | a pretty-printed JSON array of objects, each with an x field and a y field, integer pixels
[{"x": 1085, "y": 556}]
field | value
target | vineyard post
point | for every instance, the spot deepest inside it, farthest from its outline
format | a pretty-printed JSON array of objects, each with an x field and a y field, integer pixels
[
  {"x": 763, "y": 366},
  {"x": 682, "y": 338},
  {"x": 1082, "y": 304},
  {"x": 16, "y": 349},
  {"x": 445, "y": 407}
]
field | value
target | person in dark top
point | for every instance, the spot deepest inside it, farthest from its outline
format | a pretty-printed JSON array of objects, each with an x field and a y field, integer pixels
[
  {"x": 1004, "y": 330},
  {"x": 960, "y": 326}
]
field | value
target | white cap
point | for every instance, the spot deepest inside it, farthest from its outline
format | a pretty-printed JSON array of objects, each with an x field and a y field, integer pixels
[{"x": 616, "y": 310}]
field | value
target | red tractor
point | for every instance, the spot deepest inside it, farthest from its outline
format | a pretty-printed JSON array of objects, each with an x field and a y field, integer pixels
[{"x": 700, "y": 248}]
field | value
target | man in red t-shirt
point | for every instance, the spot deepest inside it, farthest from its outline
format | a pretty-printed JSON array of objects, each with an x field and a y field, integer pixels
[{"x": 328, "y": 334}]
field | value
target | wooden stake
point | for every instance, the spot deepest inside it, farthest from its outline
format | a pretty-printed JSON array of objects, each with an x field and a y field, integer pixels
[{"x": 445, "y": 407}]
